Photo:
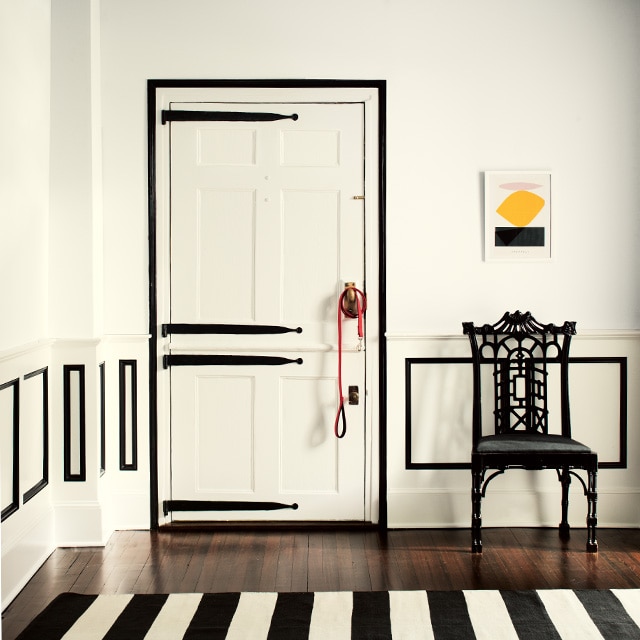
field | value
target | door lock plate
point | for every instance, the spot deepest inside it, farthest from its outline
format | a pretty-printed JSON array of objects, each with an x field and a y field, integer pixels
[{"x": 354, "y": 395}]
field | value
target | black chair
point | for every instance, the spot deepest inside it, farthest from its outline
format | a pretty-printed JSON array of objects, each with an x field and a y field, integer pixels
[{"x": 521, "y": 354}]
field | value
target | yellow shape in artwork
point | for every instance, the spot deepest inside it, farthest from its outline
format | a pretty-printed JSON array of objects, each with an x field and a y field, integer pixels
[{"x": 521, "y": 207}]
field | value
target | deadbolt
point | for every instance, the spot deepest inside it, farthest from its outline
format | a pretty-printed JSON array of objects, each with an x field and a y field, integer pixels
[{"x": 354, "y": 395}]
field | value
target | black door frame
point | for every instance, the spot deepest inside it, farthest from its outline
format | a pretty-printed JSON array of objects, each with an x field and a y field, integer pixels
[{"x": 380, "y": 86}]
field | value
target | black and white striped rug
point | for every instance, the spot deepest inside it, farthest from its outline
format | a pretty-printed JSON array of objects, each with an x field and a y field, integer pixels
[{"x": 410, "y": 615}]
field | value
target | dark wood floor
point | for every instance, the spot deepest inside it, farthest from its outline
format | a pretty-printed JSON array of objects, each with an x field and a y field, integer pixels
[{"x": 183, "y": 561}]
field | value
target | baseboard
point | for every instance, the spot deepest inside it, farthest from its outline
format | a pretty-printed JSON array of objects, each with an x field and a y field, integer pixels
[
  {"x": 79, "y": 524},
  {"x": 267, "y": 526},
  {"x": 24, "y": 554},
  {"x": 445, "y": 509}
]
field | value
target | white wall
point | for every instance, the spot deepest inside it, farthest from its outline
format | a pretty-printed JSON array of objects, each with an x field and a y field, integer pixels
[
  {"x": 472, "y": 86},
  {"x": 24, "y": 170},
  {"x": 24, "y": 225},
  {"x": 75, "y": 291}
]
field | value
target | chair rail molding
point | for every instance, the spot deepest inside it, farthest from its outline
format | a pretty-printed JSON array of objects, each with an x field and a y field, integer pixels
[
  {"x": 25, "y": 349},
  {"x": 610, "y": 334}
]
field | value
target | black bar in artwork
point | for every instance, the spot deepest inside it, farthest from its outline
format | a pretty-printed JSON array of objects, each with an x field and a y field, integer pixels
[
  {"x": 184, "y": 328},
  {"x": 519, "y": 236},
  {"x": 189, "y": 360},
  {"x": 222, "y": 116},
  {"x": 223, "y": 505}
]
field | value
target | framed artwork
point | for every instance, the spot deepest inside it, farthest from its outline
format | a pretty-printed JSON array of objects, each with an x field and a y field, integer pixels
[{"x": 517, "y": 215}]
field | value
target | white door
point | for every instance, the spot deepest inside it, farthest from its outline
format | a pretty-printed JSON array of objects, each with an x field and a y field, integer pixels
[{"x": 266, "y": 226}]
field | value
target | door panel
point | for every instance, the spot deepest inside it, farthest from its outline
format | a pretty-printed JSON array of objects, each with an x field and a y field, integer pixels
[
  {"x": 225, "y": 461},
  {"x": 225, "y": 226},
  {"x": 310, "y": 459},
  {"x": 310, "y": 255},
  {"x": 266, "y": 435},
  {"x": 265, "y": 229}
]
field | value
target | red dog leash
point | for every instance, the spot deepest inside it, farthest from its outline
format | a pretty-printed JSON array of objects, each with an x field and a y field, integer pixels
[{"x": 344, "y": 310}]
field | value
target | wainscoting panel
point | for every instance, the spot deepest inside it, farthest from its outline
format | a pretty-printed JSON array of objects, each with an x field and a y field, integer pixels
[
  {"x": 599, "y": 391},
  {"x": 437, "y": 413},
  {"x": 27, "y": 512},
  {"x": 128, "y": 415},
  {"x": 438, "y": 410},
  {"x": 429, "y": 436},
  {"x": 75, "y": 460},
  {"x": 66, "y": 406},
  {"x": 125, "y": 484},
  {"x": 10, "y": 456},
  {"x": 34, "y": 465}
]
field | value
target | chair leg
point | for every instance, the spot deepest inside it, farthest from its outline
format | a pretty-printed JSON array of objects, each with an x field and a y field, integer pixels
[
  {"x": 592, "y": 517},
  {"x": 565, "y": 481},
  {"x": 476, "y": 510}
]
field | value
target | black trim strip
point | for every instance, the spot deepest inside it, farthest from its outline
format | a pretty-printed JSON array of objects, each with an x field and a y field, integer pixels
[
  {"x": 408, "y": 425},
  {"x": 225, "y": 361},
  {"x": 222, "y": 116},
  {"x": 44, "y": 481},
  {"x": 379, "y": 86},
  {"x": 153, "y": 306},
  {"x": 14, "y": 505},
  {"x": 226, "y": 329},
  {"x": 35, "y": 490},
  {"x": 33, "y": 374},
  {"x": 81, "y": 476},
  {"x": 103, "y": 418},
  {"x": 223, "y": 505},
  {"x": 128, "y": 422},
  {"x": 621, "y": 463}
]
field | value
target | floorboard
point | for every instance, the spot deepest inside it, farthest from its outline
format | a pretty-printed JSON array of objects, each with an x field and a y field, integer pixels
[{"x": 329, "y": 560}]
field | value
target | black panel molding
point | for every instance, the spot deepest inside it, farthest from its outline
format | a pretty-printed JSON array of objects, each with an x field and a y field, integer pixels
[
  {"x": 128, "y": 418},
  {"x": 44, "y": 481},
  {"x": 377, "y": 86},
  {"x": 409, "y": 464},
  {"x": 620, "y": 463},
  {"x": 80, "y": 409},
  {"x": 14, "y": 505},
  {"x": 103, "y": 419}
]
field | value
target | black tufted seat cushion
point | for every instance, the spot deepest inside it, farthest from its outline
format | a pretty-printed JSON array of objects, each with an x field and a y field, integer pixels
[{"x": 521, "y": 442}]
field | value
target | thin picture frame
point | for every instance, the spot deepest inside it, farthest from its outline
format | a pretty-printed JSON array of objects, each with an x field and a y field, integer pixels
[{"x": 517, "y": 216}]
